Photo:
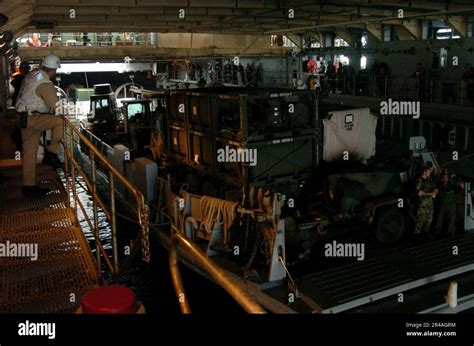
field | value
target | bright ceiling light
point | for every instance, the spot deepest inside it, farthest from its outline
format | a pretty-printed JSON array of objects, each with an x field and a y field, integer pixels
[{"x": 103, "y": 67}]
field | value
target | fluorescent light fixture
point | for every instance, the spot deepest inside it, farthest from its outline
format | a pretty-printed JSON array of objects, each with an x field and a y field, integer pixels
[{"x": 103, "y": 67}]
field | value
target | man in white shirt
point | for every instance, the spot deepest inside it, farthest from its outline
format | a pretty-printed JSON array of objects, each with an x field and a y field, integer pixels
[{"x": 37, "y": 97}]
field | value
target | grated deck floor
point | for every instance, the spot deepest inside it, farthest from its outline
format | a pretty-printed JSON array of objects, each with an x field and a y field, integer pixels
[{"x": 52, "y": 278}]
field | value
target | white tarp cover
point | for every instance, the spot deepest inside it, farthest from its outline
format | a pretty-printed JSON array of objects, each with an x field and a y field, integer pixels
[{"x": 352, "y": 131}]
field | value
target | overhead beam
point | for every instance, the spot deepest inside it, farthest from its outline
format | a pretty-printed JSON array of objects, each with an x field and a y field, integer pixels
[
  {"x": 441, "y": 14},
  {"x": 403, "y": 33},
  {"x": 8, "y": 6},
  {"x": 413, "y": 27},
  {"x": 375, "y": 29},
  {"x": 150, "y": 18},
  {"x": 144, "y": 53},
  {"x": 409, "y": 26},
  {"x": 458, "y": 24},
  {"x": 14, "y": 24},
  {"x": 167, "y": 3}
]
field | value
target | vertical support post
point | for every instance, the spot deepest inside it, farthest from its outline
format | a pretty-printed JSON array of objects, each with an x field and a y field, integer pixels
[
  {"x": 462, "y": 92},
  {"x": 96, "y": 218},
  {"x": 66, "y": 168},
  {"x": 114, "y": 222},
  {"x": 73, "y": 170},
  {"x": 385, "y": 87}
]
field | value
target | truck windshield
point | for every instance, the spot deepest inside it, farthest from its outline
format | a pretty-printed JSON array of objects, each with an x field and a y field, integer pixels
[
  {"x": 134, "y": 108},
  {"x": 101, "y": 104}
]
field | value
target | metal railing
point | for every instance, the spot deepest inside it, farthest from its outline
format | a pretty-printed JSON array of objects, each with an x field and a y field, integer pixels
[
  {"x": 456, "y": 91},
  {"x": 38, "y": 40},
  {"x": 71, "y": 136},
  {"x": 216, "y": 273}
]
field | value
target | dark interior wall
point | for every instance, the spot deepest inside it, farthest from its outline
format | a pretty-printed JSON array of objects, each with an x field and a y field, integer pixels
[{"x": 402, "y": 56}]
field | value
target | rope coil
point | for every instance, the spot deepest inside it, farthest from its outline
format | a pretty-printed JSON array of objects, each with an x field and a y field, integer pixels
[{"x": 216, "y": 211}]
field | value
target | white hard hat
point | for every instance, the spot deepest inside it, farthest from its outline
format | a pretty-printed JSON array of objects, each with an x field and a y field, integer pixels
[{"x": 51, "y": 61}]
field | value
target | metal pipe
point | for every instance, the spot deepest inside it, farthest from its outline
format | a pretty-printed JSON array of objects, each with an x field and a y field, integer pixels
[
  {"x": 224, "y": 280},
  {"x": 114, "y": 222}
]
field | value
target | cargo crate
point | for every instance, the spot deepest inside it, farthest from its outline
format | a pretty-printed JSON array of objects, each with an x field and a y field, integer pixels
[
  {"x": 201, "y": 149},
  {"x": 177, "y": 108},
  {"x": 199, "y": 114}
]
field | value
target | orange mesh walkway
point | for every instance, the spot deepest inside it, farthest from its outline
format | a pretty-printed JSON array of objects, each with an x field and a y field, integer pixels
[{"x": 64, "y": 267}]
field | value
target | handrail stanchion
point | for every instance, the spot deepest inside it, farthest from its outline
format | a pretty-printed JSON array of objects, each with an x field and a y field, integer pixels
[
  {"x": 114, "y": 222},
  {"x": 95, "y": 213},
  {"x": 73, "y": 170},
  {"x": 66, "y": 168}
]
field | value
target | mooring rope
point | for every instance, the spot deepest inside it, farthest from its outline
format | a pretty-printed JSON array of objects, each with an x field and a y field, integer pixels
[{"x": 217, "y": 211}]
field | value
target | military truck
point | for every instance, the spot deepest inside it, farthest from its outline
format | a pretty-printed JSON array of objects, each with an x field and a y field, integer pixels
[{"x": 105, "y": 119}]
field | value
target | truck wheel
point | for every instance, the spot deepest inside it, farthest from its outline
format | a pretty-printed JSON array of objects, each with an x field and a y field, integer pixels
[{"x": 390, "y": 225}]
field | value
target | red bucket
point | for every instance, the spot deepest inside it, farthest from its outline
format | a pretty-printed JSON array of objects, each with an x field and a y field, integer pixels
[{"x": 109, "y": 300}]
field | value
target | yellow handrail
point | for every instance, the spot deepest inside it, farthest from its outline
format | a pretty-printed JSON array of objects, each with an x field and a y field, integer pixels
[
  {"x": 114, "y": 174},
  {"x": 218, "y": 274}
]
